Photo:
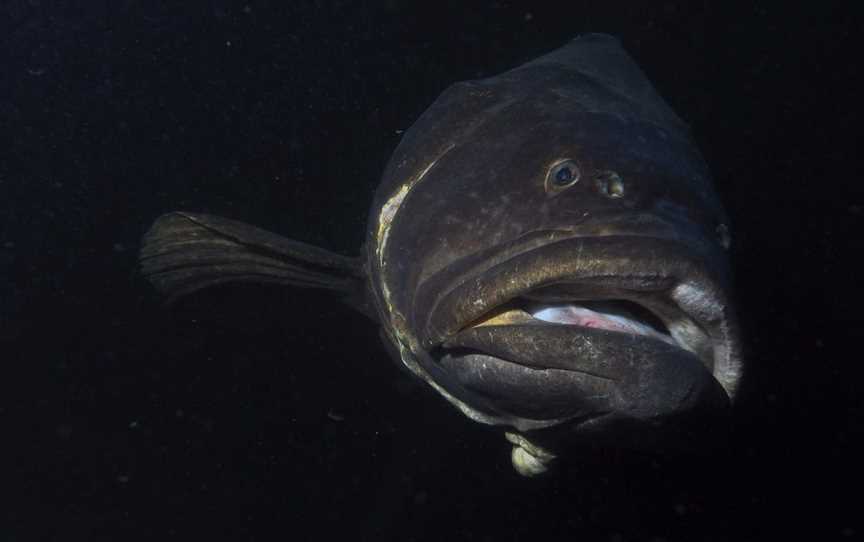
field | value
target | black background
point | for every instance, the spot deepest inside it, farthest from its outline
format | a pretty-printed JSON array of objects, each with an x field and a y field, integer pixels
[{"x": 249, "y": 413}]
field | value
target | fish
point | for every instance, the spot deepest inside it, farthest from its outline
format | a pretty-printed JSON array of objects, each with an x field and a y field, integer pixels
[{"x": 546, "y": 250}]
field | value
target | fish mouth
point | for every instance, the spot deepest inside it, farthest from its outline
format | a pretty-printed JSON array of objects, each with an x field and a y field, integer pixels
[{"x": 557, "y": 327}]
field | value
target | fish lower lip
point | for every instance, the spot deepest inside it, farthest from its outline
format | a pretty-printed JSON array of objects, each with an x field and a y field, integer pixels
[
  {"x": 595, "y": 357},
  {"x": 546, "y": 371}
]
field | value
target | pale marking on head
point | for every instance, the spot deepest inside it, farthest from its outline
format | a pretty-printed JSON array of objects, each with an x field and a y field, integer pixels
[
  {"x": 391, "y": 206},
  {"x": 385, "y": 221}
]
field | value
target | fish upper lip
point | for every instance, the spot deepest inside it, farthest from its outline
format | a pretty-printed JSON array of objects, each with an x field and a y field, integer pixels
[
  {"x": 526, "y": 259},
  {"x": 636, "y": 268}
]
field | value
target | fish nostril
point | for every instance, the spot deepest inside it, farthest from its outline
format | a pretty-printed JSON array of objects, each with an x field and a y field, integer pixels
[{"x": 610, "y": 184}]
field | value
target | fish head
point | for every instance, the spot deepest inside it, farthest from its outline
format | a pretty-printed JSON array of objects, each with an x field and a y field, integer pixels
[{"x": 547, "y": 251}]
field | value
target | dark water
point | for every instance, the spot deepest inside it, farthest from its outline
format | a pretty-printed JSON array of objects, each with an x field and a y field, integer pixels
[{"x": 257, "y": 414}]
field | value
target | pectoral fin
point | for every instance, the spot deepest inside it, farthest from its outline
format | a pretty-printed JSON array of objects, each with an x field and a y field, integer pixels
[{"x": 185, "y": 252}]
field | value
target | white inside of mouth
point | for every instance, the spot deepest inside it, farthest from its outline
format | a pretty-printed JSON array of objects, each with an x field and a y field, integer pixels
[{"x": 601, "y": 317}]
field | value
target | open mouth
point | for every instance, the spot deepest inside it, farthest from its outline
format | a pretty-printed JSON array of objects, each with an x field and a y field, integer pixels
[
  {"x": 585, "y": 325},
  {"x": 614, "y": 315},
  {"x": 537, "y": 311}
]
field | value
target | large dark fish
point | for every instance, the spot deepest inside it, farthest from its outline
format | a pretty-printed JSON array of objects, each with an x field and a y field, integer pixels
[{"x": 545, "y": 250}]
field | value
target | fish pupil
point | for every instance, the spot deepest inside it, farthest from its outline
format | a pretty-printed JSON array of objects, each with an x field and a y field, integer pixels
[{"x": 564, "y": 175}]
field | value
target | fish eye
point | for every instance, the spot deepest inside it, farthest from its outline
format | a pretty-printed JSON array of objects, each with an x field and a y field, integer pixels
[{"x": 561, "y": 175}]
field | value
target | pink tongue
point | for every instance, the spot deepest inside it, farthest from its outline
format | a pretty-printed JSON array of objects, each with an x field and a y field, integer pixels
[{"x": 580, "y": 316}]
